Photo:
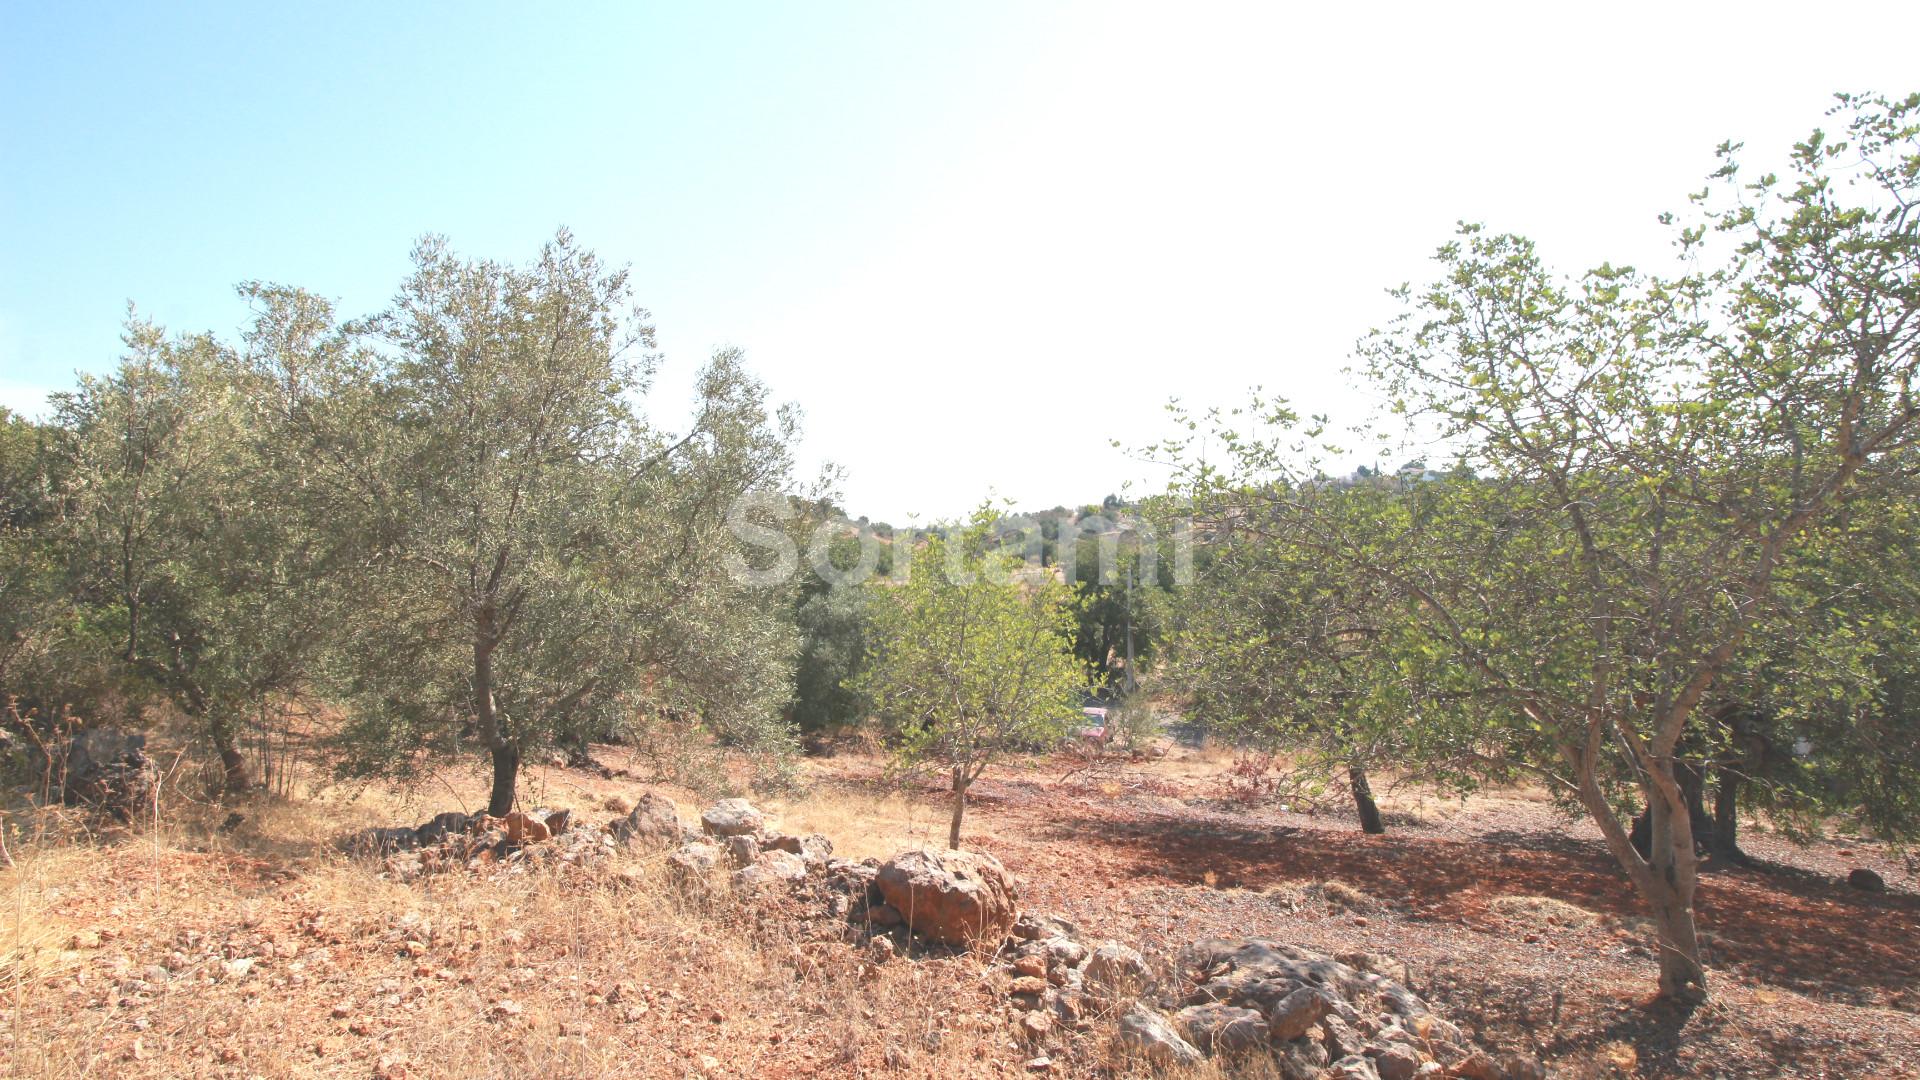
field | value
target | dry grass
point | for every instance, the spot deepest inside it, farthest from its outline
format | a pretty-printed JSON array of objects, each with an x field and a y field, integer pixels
[
  {"x": 1543, "y": 911},
  {"x": 1334, "y": 896},
  {"x": 453, "y": 977},
  {"x": 257, "y": 950},
  {"x": 860, "y": 824}
]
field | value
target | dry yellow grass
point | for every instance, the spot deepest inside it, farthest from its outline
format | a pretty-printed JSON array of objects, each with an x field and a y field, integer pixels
[
  {"x": 1541, "y": 911},
  {"x": 860, "y": 825},
  {"x": 1332, "y": 895},
  {"x": 258, "y": 950}
]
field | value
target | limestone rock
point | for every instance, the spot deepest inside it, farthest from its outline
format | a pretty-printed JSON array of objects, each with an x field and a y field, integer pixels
[
  {"x": 1222, "y": 1029},
  {"x": 1149, "y": 1034},
  {"x": 732, "y": 817},
  {"x": 742, "y": 850},
  {"x": 653, "y": 822},
  {"x": 771, "y": 868},
  {"x": 1115, "y": 969},
  {"x": 1292, "y": 1015},
  {"x": 952, "y": 897}
]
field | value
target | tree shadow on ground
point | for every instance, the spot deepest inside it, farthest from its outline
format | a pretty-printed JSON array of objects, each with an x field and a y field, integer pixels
[{"x": 1793, "y": 930}]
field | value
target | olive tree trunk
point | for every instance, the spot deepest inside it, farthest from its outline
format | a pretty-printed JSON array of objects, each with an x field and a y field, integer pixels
[
  {"x": 234, "y": 778},
  {"x": 1363, "y": 800},
  {"x": 960, "y": 784},
  {"x": 504, "y": 751}
]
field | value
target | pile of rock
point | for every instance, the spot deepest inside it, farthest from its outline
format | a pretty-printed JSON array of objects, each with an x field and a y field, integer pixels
[
  {"x": 108, "y": 770},
  {"x": 734, "y": 837},
  {"x": 1273, "y": 1008},
  {"x": 1261, "y": 1006},
  {"x": 1306, "y": 1016},
  {"x": 478, "y": 841}
]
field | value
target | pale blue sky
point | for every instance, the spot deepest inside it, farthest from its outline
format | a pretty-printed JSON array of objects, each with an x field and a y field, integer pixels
[{"x": 975, "y": 241}]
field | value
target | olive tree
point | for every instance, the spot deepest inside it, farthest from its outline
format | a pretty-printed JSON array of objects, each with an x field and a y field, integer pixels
[
  {"x": 539, "y": 559},
  {"x": 182, "y": 546},
  {"x": 31, "y": 622},
  {"x": 1642, "y": 455},
  {"x": 971, "y": 659}
]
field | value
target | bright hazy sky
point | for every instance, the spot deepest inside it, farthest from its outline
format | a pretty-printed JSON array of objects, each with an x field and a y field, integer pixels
[{"x": 975, "y": 241}]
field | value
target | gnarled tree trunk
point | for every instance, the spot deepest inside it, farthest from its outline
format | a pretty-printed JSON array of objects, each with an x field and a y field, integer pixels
[
  {"x": 1363, "y": 799},
  {"x": 504, "y": 751},
  {"x": 1726, "y": 817},
  {"x": 234, "y": 778},
  {"x": 960, "y": 785},
  {"x": 1665, "y": 876},
  {"x": 1670, "y": 894},
  {"x": 506, "y": 770}
]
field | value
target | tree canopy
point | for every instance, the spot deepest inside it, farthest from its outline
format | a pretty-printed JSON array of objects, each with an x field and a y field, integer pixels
[
  {"x": 1640, "y": 458},
  {"x": 971, "y": 659}
]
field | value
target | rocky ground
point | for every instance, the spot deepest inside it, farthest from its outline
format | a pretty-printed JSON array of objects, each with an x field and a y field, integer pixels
[
  {"x": 1509, "y": 916},
  {"x": 635, "y": 935}
]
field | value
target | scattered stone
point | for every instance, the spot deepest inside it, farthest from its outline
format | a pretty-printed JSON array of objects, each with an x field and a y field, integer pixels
[
  {"x": 1397, "y": 1062},
  {"x": 742, "y": 850},
  {"x": 694, "y": 863},
  {"x": 732, "y": 817},
  {"x": 1292, "y": 1015},
  {"x": 884, "y": 915},
  {"x": 951, "y": 897},
  {"x": 1027, "y": 984},
  {"x": 1115, "y": 969},
  {"x": 772, "y": 868},
  {"x": 1036, "y": 1026},
  {"x": 653, "y": 822},
  {"x": 109, "y": 770},
  {"x": 1351, "y": 1067},
  {"x": 1035, "y": 966},
  {"x": 1218, "y": 1029},
  {"x": 1147, "y": 1033}
]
